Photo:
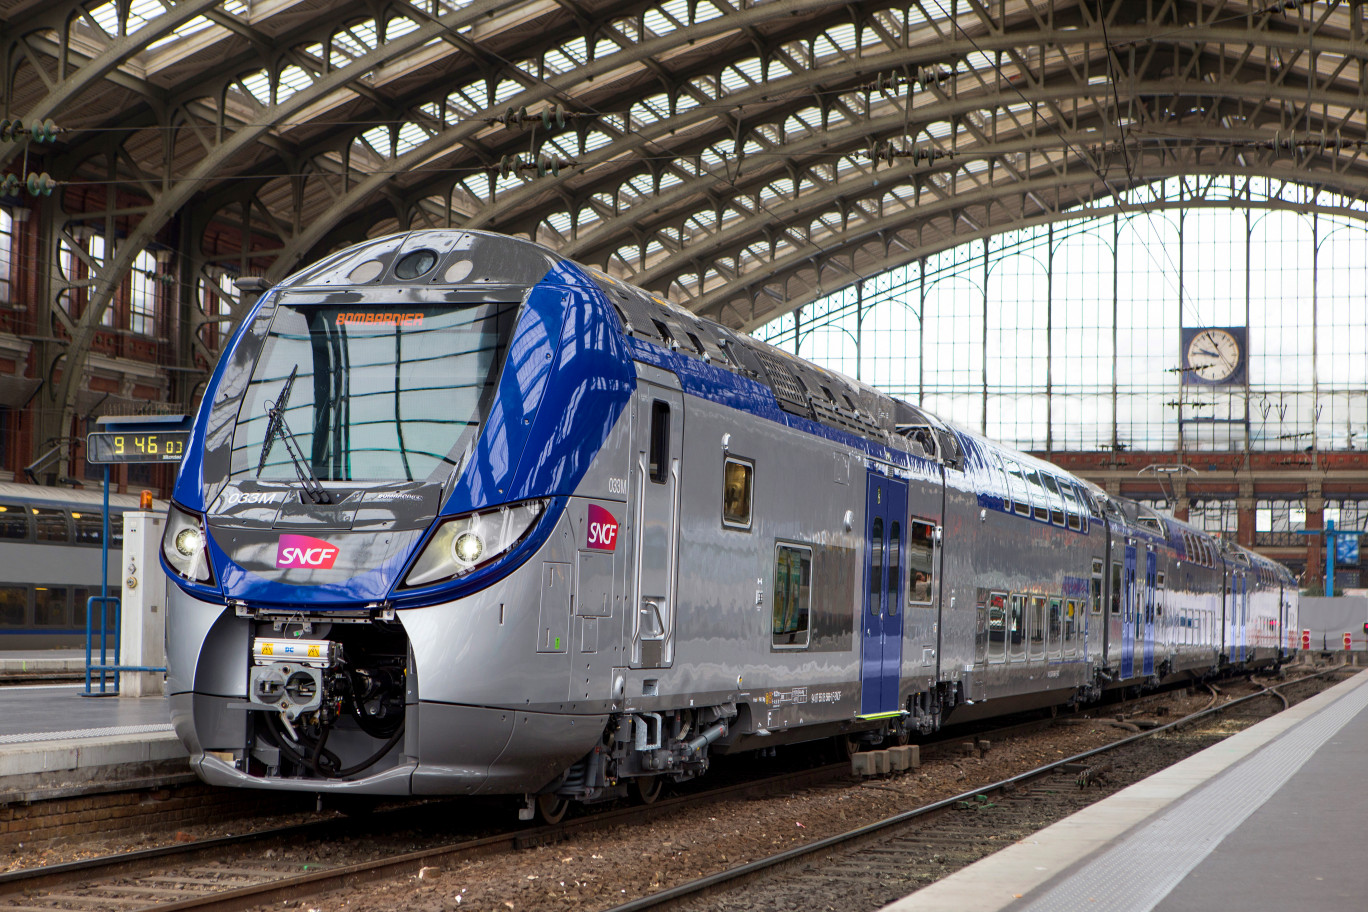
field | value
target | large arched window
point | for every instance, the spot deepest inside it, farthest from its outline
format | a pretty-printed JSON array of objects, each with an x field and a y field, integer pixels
[{"x": 1078, "y": 335}]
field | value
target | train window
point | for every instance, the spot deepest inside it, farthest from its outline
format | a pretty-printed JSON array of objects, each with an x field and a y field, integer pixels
[
  {"x": 1073, "y": 613},
  {"x": 876, "y": 572},
  {"x": 50, "y": 607},
  {"x": 1071, "y": 506},
  {"x": 894, "y": 566},
  {"x": 89, "y": 527},
  {"x": 1085, "y": 496},
  {"x": 1037, "y": 627},
  {"x": 1037, "y": 490},
  {"x": 737, "y": 476},
  {"x": 1016, "y": 627},
  {"x": 1055, "y": 498},
  {"x": 1116, "y": 588},
  {"x": 1055, "y": 635},
  {"x": 921, "y": 570},
  {"x": 50, "y": 525},
  {"x": 1159, "y": 595},
  {"x": 13, "y": 522},
  {"x": 1096, "y": 591},
  {"x": 13, "y": 606},
  {"x": 997, "y": 627},
  {"x": 1017, "y": 482},
  {"x": 660, "y": 440},
  {"x": 792, "y": 592}
]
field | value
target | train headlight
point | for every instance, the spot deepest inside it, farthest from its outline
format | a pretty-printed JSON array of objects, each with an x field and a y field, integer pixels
[
  {"x": 183, "y": 546},
  {"x": 465, "y": 543},
  {"x": 467, "y": 548}
]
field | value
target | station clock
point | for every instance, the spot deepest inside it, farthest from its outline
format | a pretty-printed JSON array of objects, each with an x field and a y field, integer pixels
[{"x": 1214, "y": 355}]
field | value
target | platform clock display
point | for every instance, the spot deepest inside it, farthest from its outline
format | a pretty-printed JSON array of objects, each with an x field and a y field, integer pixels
[
  {"x": 107, "y": 447},
  {"x": 1214, "y": 355}
]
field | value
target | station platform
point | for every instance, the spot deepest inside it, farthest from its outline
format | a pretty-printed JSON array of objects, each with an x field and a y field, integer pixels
[
  {"x": 56, "y": 742},
  {"x": 1268, "y": 819},
  {"x": 40, "y": 664}
]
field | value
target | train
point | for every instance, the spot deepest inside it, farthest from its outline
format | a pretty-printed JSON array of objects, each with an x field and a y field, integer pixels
[
  {"x": 50, "y": 557},
  {"x": 460, "y": 516}
]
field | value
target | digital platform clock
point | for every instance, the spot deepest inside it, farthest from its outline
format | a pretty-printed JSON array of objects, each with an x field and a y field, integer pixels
[{"x": 104, "y": 447}]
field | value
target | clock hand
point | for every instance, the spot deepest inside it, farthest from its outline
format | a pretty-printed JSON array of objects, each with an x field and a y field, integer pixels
[{"x": 1203, "y": 351}]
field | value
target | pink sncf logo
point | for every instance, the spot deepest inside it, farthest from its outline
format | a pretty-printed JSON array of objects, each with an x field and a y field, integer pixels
[
  {"x": 603, "y": 529},
  {"x": 300, "y": 552}
]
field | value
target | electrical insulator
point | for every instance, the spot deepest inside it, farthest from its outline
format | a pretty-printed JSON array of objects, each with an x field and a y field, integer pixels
[
  {"x": 11, "y": 129},
  {"x": 40, "y": 184},
  {"x": 44, "y": 132}
]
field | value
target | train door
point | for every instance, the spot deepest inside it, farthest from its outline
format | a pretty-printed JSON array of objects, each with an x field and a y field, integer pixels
[
  {"x": 1128, "y": 606},
  {"x": 1150, "y": 584},
  {"x": 922, "y": 624},
  {"x": 660, "y": 433},
  {"x": 881, "y": 654},
  {"x": 1242, "y": 614},
  {"x": 1094, "y": 619}
]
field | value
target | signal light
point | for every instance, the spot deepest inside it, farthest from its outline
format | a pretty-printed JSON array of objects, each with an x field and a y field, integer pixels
[{"x": 1365, "y": 627}]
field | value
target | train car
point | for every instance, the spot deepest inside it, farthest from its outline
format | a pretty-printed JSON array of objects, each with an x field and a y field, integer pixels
[
  {"x": 50, "y": 542},
  {"x": 460, "y": 516}
]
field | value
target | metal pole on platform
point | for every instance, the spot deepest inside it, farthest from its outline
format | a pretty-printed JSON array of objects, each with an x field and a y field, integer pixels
[{"x": 1329, "y": 558}]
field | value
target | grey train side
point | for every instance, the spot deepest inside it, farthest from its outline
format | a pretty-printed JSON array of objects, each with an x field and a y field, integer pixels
[
  {"x": 50, "y": 562},
  {"x": 763, "y": 563}
]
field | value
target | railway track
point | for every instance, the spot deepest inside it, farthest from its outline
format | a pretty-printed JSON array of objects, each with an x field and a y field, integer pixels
[
  {"x": 233, "y": 873},
  {"x": 873, "y": 865}
]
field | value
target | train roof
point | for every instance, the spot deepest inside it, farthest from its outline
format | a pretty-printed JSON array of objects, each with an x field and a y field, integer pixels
[{"x": 70, "y": 498}]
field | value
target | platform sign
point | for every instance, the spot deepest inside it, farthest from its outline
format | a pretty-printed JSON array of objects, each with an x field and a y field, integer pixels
[
  {"x": 109, "y": 447},
  {"x": 138, "y": 438},
  {"x": 1347, "y": 550}
]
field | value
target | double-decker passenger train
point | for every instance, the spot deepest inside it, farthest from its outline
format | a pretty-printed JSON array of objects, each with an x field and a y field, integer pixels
[
  {"x": 50, "y": 560},
  {"x": 460, "y": 516}
]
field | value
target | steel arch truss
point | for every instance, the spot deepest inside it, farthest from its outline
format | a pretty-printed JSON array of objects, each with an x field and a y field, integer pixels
[{"x": 742, "y": 157}]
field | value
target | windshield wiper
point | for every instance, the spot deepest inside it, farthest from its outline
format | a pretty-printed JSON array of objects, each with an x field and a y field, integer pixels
[{"x": 277, "y": 427}]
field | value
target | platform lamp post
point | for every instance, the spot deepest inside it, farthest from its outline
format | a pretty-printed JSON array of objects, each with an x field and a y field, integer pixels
[
  {"x": 126, "y": 439},
  {"x": 1335, "y": 541}
]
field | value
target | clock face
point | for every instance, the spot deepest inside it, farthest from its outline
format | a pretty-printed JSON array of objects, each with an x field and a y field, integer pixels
[{"x": 1213, "y": 355}]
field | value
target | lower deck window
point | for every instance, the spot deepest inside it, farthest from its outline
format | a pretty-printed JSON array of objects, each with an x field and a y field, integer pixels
[{"x": 792, "y": 596}]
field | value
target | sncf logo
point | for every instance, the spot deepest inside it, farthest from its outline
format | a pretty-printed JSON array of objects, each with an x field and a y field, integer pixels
[
  {"x": 603, "y": 529},
  {"x": 300, "y": 552}
]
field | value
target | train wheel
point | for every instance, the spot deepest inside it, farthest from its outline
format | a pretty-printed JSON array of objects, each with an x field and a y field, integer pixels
[
  {"x": 844, "y": 747},
  {"x": 646, "y": 789},
  {"x": 551, "y": 808},
  {"x": 898, "y": 737}
]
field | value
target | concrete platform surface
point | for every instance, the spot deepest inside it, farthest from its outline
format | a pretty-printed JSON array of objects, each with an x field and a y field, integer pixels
[
  {"x": 1268, "y": 819},
  {"x": 55, "y": 741},
  {"x": 44, "y": 662}
]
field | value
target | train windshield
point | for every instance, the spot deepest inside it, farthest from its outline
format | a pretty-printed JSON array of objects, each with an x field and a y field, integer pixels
[{"x": 374, "y": 394}]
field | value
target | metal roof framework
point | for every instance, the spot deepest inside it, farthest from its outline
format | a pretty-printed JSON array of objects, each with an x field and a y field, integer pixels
[{"x": 742, "y": 158}]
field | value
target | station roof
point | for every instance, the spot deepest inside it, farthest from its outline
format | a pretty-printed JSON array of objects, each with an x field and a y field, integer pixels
[{"x": 742, "y": 157}]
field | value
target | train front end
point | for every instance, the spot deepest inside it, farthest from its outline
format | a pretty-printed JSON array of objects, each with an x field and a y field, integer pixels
[{"x": 386, "y": 474}]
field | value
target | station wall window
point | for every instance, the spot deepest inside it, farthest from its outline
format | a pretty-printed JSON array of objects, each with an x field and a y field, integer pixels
[
  {"x": 737, "y": 479},
  {"x": 792, "y": 596},
  {"x": 6, "y": 256},
  {"x": 142, "y": 295},
  {"x": 920, "y": 562}
]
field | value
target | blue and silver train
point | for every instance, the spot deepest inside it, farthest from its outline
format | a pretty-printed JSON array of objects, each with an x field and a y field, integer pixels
[{"x": 460, "y": 516}]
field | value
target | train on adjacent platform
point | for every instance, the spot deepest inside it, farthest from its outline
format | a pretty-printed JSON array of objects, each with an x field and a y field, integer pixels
[
  {"x": 460, "y": 516},
  {"x": 50, "y": 557}
]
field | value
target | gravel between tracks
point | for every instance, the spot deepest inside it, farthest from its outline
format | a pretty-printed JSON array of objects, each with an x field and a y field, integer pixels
[{"x": 613, "y": 866}]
